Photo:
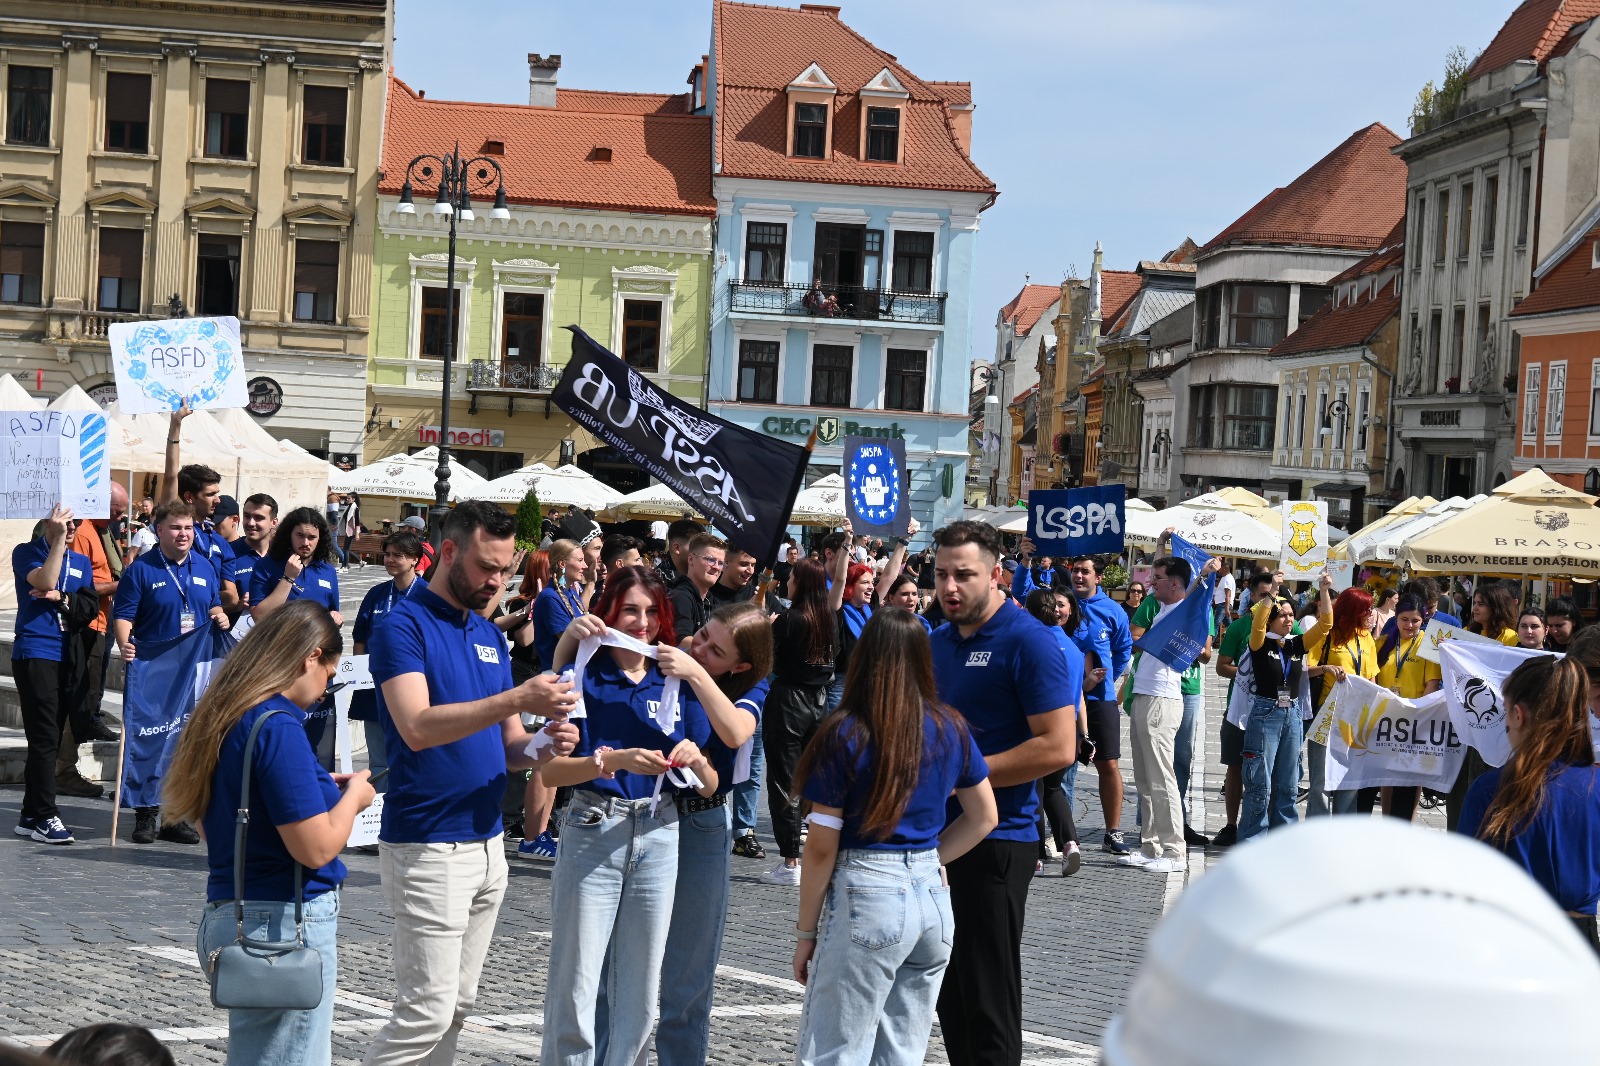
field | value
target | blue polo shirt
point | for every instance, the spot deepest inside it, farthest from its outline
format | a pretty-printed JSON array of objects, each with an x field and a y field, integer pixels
[
  {"x": 449, "y": 793},
  {"x": 318, "y": 582},
  {"x": 1560, "y": 845},
  {"x": 241, "y": 571},
  {"x": 286, "y": 786},
  {"x": 1007, "y": 671},
  {"x": 950, "y": 760},
  {"x": 1104, "y": 631},
  {"x": 617, "y": 716},
  {"x": 375, "y": 608},
  {"x": 553, "y": 610},
  {"x": 723, "y": 757},
  {"x": 210, "y": 545},
  {"x": 38, "y": 627},
  {"x": 154, "y": 593}
]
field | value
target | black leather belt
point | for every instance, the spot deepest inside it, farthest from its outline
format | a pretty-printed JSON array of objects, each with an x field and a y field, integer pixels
[{"x": 689, "y": 804}]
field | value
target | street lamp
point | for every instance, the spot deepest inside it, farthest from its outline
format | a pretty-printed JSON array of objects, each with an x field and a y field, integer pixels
[
  {"x": 1337, "y": 409},
  {"x": 456, "y": 178}
]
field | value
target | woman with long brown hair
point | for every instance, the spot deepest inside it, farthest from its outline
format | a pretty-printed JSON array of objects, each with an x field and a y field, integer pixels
[
  {"x": 299, "y": 824},
  {"x": 1542, "y": 808},
  {"x": 1494, "y": 612},
  {"x": 804, "y": 644},
  {"x": 879, "y": 774}
]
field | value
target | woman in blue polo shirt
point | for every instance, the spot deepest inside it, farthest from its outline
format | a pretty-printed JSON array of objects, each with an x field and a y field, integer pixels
[
  {"x": 401, "y": 553},
  {"x": 559, "y": 602},
  {"x": 297, "y": 567},
  {"x": 617, "y": 858},
  {"x": 299, "y": 819},
  {"x": 902, "y": 593},
  {"x": 879, "y": 774}
]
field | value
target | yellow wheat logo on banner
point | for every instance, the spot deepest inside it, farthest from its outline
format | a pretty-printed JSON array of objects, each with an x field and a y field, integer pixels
[{"x": 1358, "y": 738}]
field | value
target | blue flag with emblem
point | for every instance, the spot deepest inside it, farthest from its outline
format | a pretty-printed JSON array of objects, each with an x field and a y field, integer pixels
[
  {"x": 1179, "y": 636},
  {"x": 877, "y": 486},
  {"x": 159, "y": 693},
  {"x": 1071, "y": 522}
]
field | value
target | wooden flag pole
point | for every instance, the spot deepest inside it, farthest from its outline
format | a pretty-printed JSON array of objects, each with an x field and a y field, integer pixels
[
  {"x": 765, "y": 584},
  {"x": 122, "y": 757}
]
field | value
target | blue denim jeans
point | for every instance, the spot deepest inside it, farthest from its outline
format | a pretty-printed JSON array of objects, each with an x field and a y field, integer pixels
[
  {"x": 1183, "y": 747},
  {"x": 882, "y": 949},
  {"x": 694, "y": 941},
  {"x": 835, "y": 692},
  {"x": 1271, "y": 768},
  {"x": 746, "y": 796},
  {"x": 614, "y": 882},
  {"x": 377, "y": 754},
  {"x": 258, "y": 1037}
]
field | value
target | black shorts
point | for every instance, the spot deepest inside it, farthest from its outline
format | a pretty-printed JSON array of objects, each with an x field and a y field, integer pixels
[
  {"x": 1105, "y": 728},
  {"x": 1232, "y": 744}
]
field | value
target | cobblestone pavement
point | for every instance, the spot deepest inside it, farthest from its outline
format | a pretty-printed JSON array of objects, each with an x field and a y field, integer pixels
[{"x": 94, "y": 933}]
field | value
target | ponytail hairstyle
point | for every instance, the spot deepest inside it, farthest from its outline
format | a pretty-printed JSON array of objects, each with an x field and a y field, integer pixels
[
  {"x": 1036, "y": 603},
  {"x": 1502, "y": 604},
  {"x": 266, "y": 661},
  {"x": 810, "y": 603},
  {"x": 751, "y": 632},
  {"x": 1555, "y": 694},
  {"x": 879, "y": 725}
]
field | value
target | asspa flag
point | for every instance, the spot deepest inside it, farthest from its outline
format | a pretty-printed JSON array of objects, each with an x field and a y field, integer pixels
[
  {"x": 1473, "y": 672},
  {"x": 159, "y": 694},
  {"x": 744, "y": 481},
  {"x": 1073, "y": 522},
  {"x": 878, "y": 496},
  {"x": 1378, "y": 738},
  {"x": 1303, "y": 553}
]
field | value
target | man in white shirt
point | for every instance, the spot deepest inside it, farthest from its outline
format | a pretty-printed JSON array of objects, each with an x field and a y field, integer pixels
[
  {"x": 1222, "y": 598},
  {"x": 1153, "y": 728}
]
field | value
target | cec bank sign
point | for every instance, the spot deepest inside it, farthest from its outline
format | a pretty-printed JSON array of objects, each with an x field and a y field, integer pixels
[{"x": 829, "y": 428}]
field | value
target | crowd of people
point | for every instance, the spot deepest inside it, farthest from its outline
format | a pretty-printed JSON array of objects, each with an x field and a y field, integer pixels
[{"x": 618, "y": 705}]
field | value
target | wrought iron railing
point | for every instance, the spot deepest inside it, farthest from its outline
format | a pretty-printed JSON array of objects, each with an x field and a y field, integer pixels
[
  {"x": 511, "y": 377},
  {"x": 855, "y": 302}
]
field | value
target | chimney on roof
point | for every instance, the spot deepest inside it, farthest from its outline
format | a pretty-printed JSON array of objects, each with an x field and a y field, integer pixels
[
  {"x": 542, "y": 79},
  {"x": 821, "y": 9}
]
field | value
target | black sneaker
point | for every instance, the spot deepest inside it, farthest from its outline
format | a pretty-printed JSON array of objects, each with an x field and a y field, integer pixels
[
  {"x": 1194, "y": 839},
  {"x": 72, "y": 783},
  {"x": 748, "y": 847},
  {"x": 144, "y": 829},
  {"x": 1114, "y": 843},
  {"x": 179, "y": 833},
  {"x": 101, "y": 730},
  {"x": 1226, "y": 837}
]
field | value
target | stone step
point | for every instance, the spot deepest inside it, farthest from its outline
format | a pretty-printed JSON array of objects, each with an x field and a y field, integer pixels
[
  {"x": 114, "y": 671},
  {"x": 97, "y": 761}
]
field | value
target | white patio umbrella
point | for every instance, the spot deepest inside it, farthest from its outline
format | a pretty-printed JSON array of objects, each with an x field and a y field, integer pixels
[
  {"x": 409, "y": 477},
  {"x": 654, "y": 502},
  {"x": 822, "y": 504},
  {"x": 1385, "y": 549},
  {"x": 564, "y": 486},
  {"x": 1209, "y": 522}
]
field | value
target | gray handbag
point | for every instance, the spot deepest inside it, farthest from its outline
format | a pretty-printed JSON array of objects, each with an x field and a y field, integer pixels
[{"x": 259, "y": 974}]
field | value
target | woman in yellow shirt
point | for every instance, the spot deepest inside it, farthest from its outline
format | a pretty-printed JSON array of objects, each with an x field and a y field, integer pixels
[
  {"x": 1347, "y": 649},
  {"x": 1494, "y": 612},
  {"x": 1406, "y": 674}
]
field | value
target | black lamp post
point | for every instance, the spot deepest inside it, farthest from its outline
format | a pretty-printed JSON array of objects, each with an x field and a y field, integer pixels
[{"x": 456, "y": 178}]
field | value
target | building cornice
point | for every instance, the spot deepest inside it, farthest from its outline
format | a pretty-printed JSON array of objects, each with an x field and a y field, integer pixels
[
  {"x": 1558, "y": 323},
  {"x": 557, "y": 227},
  {"x": 957, "y": 203}
]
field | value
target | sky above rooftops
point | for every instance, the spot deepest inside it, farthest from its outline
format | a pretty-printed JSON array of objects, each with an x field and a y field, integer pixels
[{"x": 1133, "y": 122}]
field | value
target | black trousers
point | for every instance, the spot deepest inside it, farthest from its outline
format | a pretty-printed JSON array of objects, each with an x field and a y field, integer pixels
[
  {"x": 1053, "y": 805},
  {"x": 789, "y": 721},
  {"x": 47, "y": 691},
  {"x": 980, "y": 1004},
  {"x": 1472, "y": 768},
  {"x": 94, "y": 662}
]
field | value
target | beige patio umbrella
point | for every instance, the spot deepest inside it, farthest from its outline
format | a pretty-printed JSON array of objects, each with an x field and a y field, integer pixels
[
  {"x": 1531, "y": 526},
  {"x": 821, "y": 504},
  {"x": 1257, "y": 507},
  {"x": 565, "y": 486},
  {"x": 657, "y": 502},
  {"x": 1362, "y": 538}
]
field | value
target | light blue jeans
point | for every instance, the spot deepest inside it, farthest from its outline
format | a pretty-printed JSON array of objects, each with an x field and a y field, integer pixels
[
  {"x": 1183, "y": 747},
  {"x": 271, "y": 1037},
  {"x": 882, "y": 949},
  {"x": 377, "y": 754},
  {"x": 614, "y": 882},
  {"x": 746, "y": 796},
  {"x": 835, "y": 692},
  {"x": 1271, "y": 766},
  {"x": 694, "y": 943}
]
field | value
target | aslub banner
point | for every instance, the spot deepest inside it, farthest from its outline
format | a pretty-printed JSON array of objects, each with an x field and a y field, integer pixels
[
  {"x": 744, "y": 481},
  {"x": 1072, "y": 522},
  {"x": 1377, "y": 738},
  {"x": 158, "y": 696}
]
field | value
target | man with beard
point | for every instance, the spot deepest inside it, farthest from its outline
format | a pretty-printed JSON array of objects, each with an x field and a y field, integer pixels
[
  {"x": 1018, "y": 692},
  {"x": 452, "y": 728}
]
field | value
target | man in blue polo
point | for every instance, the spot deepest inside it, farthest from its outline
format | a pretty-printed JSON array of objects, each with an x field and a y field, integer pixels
[
  {"x": 452, "y": 726},
  {"x": 1007, "y": 676},
  {"x": 164, "y": 594},
  {"x": 1105, "y": 632}
]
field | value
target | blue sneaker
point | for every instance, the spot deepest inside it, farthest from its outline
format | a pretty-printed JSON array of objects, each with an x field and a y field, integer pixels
[
  {"x": 26, "y": 826},
  {"x": 542, "y": 846},
  {"x": 52, "y": 831}
]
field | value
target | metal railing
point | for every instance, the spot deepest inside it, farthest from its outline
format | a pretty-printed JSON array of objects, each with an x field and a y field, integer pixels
[
  {"x": 855, "y": 302},
  {"x": 512, "y": 377}
]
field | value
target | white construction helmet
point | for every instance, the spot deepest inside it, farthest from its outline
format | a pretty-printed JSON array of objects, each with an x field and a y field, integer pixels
[{"x": 1360, "y": 940}]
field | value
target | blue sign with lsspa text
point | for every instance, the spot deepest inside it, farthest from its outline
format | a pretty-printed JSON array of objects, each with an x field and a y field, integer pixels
[{"x": 1072, "y": 522}]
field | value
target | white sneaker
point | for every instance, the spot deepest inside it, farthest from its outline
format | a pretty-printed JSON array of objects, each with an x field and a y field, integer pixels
[
  {"x": 782, "y": 874},
  {"x": 1165, "y": 866},
  {"x": 1051, "y": 852},
  {"x": 1072, "y": 861},
  {"x": 1134, "y": 858}
]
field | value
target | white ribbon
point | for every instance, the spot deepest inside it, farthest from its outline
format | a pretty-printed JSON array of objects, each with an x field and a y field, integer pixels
[
  {"x": 681, "y": 776},
  {"x": 665, "y": 713}
]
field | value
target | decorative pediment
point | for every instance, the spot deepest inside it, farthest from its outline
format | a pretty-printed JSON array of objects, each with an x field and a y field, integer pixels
[
  {"x": 122, "y": 200},
  {"x": 644, "y": 278},
  {"x": 319, "y": 215},
  {"x": 434, "y": 266},
  {"x": 812, "y": 79},
  {"x": 23, "y": 194},
  {"x": 530, "y": 272},
  {"x": 222, "y": 207},
  {"x": 885, "y": 84}
]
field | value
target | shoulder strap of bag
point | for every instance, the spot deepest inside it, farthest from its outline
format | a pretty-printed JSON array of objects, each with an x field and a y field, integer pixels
[{"x": 241, "y": 821}]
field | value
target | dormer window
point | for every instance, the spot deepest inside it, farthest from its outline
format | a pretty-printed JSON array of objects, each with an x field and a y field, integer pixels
[
  {"x": 810, "y": 130},
  {"x": 883, "y": 134},
  {"x": 811, "y": 98}
]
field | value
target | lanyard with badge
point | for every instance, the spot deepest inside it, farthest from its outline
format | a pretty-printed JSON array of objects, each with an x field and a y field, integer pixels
[
  {"x": 1400, "y": 666},
  {"x": 398, "y": 592},
  {"x": 186, "y": 618},
  {"x": 1285, "y": 697}
]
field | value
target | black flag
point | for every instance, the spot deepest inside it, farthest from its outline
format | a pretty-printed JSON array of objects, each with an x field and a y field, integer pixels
[{"x": 743, "y": 481}]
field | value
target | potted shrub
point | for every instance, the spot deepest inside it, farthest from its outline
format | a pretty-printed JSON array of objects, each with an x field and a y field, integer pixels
[{"x": 1452, "y": 384}]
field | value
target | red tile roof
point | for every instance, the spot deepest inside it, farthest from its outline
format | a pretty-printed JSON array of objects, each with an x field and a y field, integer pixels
[
  {"x": 1344, "y": 326},
  {"x": 1350, "y": 198},
  {"x": 1573, "y": 285},
  {"x": 761, "y": 50},
  {"x": 659, "y": 162},
  {"x": 1026, "y": 306},
  {"x": 1117, "y": 290},
  {"x": 1391, "y": 253},
  {"x": 623, "y": 103},
  {"x": 957, "y": 93},
  {"x": 1532, "y": 32}
]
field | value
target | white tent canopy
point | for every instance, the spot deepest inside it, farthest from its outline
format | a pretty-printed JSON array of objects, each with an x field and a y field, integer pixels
[
  {"x": 565, "y": 486},
  {"x": 1212, "y": 524},
  {"x": 822, "y": 504},
  {"x": 13, "y": 397},
  {"x": 409, "y": 477},
  {"x": 295, "y": 478},
  {"x": 1391, "y": 541}
]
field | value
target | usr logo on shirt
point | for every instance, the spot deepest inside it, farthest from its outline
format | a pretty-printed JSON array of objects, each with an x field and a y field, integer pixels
[
  {"x": 978, "y": 658},
  {"x": 487, "y": 654}
]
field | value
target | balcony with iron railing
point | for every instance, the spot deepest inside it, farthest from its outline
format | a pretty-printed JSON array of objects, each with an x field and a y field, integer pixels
[
  {"x": 850, "y": 302},
  {"x": 511, "y": 379}
]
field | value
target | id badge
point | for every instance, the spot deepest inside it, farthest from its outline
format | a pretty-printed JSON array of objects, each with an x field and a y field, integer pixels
[
  {"x": 1284, "y": 698},
  {"x": 186, "y": 622}
]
